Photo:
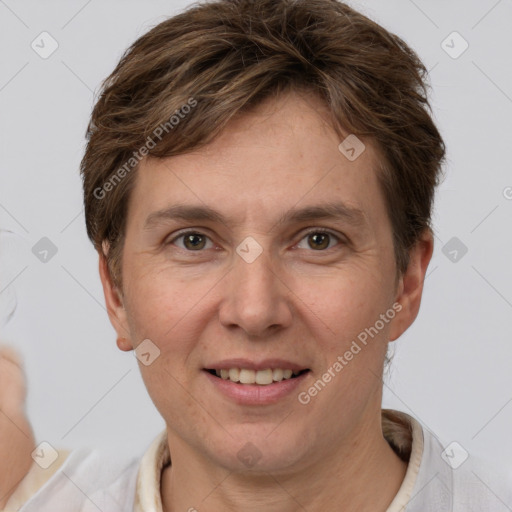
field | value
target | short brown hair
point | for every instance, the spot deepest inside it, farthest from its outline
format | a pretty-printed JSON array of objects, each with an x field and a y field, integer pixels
[{"x": 226, "y": 56}]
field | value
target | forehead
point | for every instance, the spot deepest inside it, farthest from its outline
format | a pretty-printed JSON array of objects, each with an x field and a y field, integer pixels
[{"x": 282, "y": 154}]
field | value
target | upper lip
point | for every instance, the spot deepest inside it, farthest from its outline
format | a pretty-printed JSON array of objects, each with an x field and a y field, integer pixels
[{"x": 264, "y": 364}]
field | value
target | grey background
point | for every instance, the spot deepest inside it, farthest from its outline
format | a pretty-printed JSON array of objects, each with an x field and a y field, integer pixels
[{"x": 451, "y": 369}]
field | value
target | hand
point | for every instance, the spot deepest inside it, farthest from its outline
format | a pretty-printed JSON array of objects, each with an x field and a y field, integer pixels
[{"x": 16, "y": 436}]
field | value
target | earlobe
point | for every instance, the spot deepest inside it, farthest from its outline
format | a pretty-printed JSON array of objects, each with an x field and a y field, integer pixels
[
  {"x": 124, "y": 344},
  {"x": 410, "y": 287},
  {"x": 115, "y": 307}
]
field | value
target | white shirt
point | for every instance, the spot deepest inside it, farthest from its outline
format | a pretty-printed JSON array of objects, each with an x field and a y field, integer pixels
[{"x": 87, "y": 481}]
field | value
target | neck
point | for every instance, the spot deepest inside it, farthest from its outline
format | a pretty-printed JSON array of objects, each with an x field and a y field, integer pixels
[{"x": 364, "y": 475}]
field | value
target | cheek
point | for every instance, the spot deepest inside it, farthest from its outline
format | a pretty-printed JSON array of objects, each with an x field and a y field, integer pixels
[
  {"x": 342, "y": 315},
  {"x": 159, "y": 306},
  {"x": 168, "y": 312},
  {"x": 343, "y": 305}
]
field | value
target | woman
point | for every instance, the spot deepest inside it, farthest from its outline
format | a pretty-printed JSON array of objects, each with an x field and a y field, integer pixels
[{"x": 258, "y": 183}]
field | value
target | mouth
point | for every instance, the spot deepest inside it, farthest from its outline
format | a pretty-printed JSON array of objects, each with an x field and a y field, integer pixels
[{"x": 247, "y": 376}]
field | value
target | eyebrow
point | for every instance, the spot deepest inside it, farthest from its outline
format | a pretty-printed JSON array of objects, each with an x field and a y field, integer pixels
[{"x": 332, "y": 210}]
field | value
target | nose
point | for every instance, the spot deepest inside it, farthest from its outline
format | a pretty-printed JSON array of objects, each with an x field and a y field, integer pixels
[{"x": 255, "y": 298}]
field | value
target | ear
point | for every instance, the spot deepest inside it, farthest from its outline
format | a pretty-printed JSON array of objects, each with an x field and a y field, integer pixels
[
  {"x": 115, "y": 306},
  {"x": 410, "y": 285}
]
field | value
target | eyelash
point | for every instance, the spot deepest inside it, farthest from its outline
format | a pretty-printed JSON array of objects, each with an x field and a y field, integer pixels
[{"x": 306, "y": 234}]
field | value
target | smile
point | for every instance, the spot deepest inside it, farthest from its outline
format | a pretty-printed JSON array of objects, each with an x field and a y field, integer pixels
[{"x": 261, "y": 377}]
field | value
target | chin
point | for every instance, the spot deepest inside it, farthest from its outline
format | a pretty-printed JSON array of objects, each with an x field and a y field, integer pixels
[{"x": 260, "y": 453}]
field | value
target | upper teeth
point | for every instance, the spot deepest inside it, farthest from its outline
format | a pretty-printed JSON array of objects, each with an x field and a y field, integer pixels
[{"x": 246, "y": 376}]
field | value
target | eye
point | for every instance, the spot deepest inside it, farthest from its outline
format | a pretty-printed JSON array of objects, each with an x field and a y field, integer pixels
[
  {"x": 318, "y": 240},
  {"x": 192, "y": 241}
]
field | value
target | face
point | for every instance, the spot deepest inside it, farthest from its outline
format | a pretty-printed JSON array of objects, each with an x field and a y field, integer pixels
[{"x": 264, "y": 252}]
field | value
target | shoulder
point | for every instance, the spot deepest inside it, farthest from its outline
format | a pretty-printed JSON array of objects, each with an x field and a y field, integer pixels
[
  {"x": 452, "y": 480},
  {"x": 479, "y": 485},
  {"x": 87, "y": 480}
]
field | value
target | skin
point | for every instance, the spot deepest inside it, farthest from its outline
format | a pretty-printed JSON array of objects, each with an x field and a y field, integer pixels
[
  {"x": 295, "y": 301},
  {"x": 16, "y": 436}
]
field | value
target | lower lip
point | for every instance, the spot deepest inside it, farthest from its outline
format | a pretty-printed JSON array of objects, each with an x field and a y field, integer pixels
[{"x": 256, "y": 394}]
